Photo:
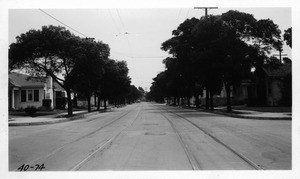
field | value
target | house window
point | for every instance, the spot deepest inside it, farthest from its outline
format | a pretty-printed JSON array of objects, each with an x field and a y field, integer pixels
[
  {"x": 23, "y": 95},
  {"x": 36, "y": 95},
  {"x": 30, "y": 95}
]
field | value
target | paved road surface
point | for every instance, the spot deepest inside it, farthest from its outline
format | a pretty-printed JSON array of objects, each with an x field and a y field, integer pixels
[{"x": 149, "y": 136}]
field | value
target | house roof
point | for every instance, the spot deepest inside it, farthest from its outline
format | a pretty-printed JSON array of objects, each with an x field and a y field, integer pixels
[
  {"x": 57, "y": 87},
  {"x": 280, "y": 71},
  {"x": 22, "y": 80}
]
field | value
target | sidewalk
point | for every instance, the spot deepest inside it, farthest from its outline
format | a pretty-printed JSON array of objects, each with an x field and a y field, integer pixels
[
  {"x": 48, "y": 119},
  {"x": 249, "y": 114}
]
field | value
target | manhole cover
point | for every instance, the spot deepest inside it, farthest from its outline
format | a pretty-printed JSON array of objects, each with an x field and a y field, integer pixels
[{"x": 155, "y": 133}]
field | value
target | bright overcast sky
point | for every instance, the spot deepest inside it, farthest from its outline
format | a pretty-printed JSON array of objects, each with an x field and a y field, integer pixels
[{"x": 134, "y": 35}]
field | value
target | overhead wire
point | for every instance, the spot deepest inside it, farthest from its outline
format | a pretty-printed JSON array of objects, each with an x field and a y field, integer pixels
[
  {"x": 178, "y": 15},
  {"x": 188, "y": 13},
  {"x": 124, "y": 30},
  {"x": 121, "y": 20},
  {"x": 63, "y": 23},
  {"x": 126, "y": 33},
  {"x": 114, "y": 21}
]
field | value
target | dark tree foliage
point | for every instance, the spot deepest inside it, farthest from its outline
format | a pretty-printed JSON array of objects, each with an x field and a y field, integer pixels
[
  {"x": 134, "y": 94},
  {"x": 115, "y": 83},
  {"x": 288, "y": 36},
  {"x": 159, "y": 89},
  {"x": 88, "y": 69},
  {"x": 50, "y": 51},
  {"x": 178, "y": 68},
  {"x": 212, "y": 52},
  {"x": 78, "y": 65}
]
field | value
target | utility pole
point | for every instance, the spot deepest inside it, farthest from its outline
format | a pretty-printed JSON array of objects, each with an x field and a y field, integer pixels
[
  {"x": 206, "y": 8},
  {"x": 281, "y": 55},
  {"x": 208, "y": 93}
]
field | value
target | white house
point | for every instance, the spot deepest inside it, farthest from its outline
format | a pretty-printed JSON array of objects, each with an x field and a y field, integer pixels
[{"x": 25, "y": 91}]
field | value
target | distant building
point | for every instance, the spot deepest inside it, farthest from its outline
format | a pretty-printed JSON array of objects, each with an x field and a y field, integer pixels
[
  {"x": 272, "y": 85},
  {"x": 25, "y": 91},
  {"x": 269, "y": 86}
]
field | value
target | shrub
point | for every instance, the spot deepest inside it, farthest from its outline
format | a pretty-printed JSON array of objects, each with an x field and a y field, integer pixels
[
  {"x": 44, "y": 108},
  {"x": 30, "y": 110},
  {"x": 47, "y": 102}
]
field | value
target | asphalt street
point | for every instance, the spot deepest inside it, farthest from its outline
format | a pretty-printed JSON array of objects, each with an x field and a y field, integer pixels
[{"x": 150, "y": 136}]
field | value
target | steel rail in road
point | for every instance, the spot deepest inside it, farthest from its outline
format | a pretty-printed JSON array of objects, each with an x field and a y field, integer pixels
[
  {"x": 76, "y": 140},
  {"x": 102, "y": 147},
  {"x": 193, "y": 161},
  {"x": 236, "y": 152}
]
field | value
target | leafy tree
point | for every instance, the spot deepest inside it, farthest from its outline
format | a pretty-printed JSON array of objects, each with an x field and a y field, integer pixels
[
  {"x": 50, "y": 51},
  {"x": 122, "y": 83},
  {"x": 206, "y": 33},
  {"x": 115, "y": 83},
  {"x": 288, "y": 36},
  {"x": 88, "y": 68},
  {"x": 158, "y": 89},
  {"x": 134, "y": 94},
  {"x": 179, "y": 71},
  {"x": 215, "y": 51},
  {"x": 142, "y": 91}
]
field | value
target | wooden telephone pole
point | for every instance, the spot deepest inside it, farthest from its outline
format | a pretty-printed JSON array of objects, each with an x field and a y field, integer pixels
[
  {"x": 206, "y": 8},
  {"x": 208, "y": 93}
]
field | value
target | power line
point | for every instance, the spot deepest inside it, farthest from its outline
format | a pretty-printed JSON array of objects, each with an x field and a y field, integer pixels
[
  {"x": 178, "y": 16},
  {"x": 114, "y": 22},
  {"x": 124, "y": 30},
  {"x": 187, "y": 13},
  {"x": 195, "y": 14},
  {"x": 121, "y": 20},
  {"x": 63, "y": 23}
]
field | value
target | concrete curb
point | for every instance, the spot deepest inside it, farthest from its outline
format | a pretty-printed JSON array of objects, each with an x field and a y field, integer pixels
[
  {"x": 75, "y": 117},
  {"x": 249, "y": 117},
  {"x": 241, "y": 116}
]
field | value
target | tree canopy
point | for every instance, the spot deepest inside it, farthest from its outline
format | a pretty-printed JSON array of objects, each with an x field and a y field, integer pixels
[
  {"x": 50, "y": 51},
  {"x": 79, "y": 65},
  {"x": 212, "y": 52},
  {"x": 288, "y": 36}
]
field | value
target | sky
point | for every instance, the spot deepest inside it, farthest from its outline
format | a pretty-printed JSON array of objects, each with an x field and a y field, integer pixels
[{"x": 133, "y": 34}]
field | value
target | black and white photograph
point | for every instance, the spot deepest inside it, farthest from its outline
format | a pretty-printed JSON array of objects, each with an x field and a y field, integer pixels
[{"x": 156, "y": 90}]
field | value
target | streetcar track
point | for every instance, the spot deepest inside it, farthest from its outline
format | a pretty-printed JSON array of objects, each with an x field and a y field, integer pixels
[
  {"x": 240, "y": 155},
  {"x": 102, "y": 147},
  {"x": 76, "y": 140},
  {"x": 193, "y": 161}
]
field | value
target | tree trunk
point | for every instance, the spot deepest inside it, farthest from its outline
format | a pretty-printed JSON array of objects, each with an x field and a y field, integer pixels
[
  {"x": 98, "y": 104},
  {"x": 105, "y": 107},
  {"x": 88, "y": 98},
  {"x": 174, "y": 102},
  {"x": 207, "y": 99},
  {"x": 227, "y": 87},
  {"x": 178, "y": 101},
  {"x": 197, "y": 100},
  {"x": 70, "y": 111},
  {"x": 211, "y": 98},
  {"x": 75, "y": 100}
]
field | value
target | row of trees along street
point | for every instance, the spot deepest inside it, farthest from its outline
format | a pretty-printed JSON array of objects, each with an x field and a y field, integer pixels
[
  {"x": 213, "y": 51},
  {"x": 78, "y": 65}
]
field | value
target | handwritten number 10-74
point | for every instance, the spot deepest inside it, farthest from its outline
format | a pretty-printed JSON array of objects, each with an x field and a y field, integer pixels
[{"x": 26, "y": 167}]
